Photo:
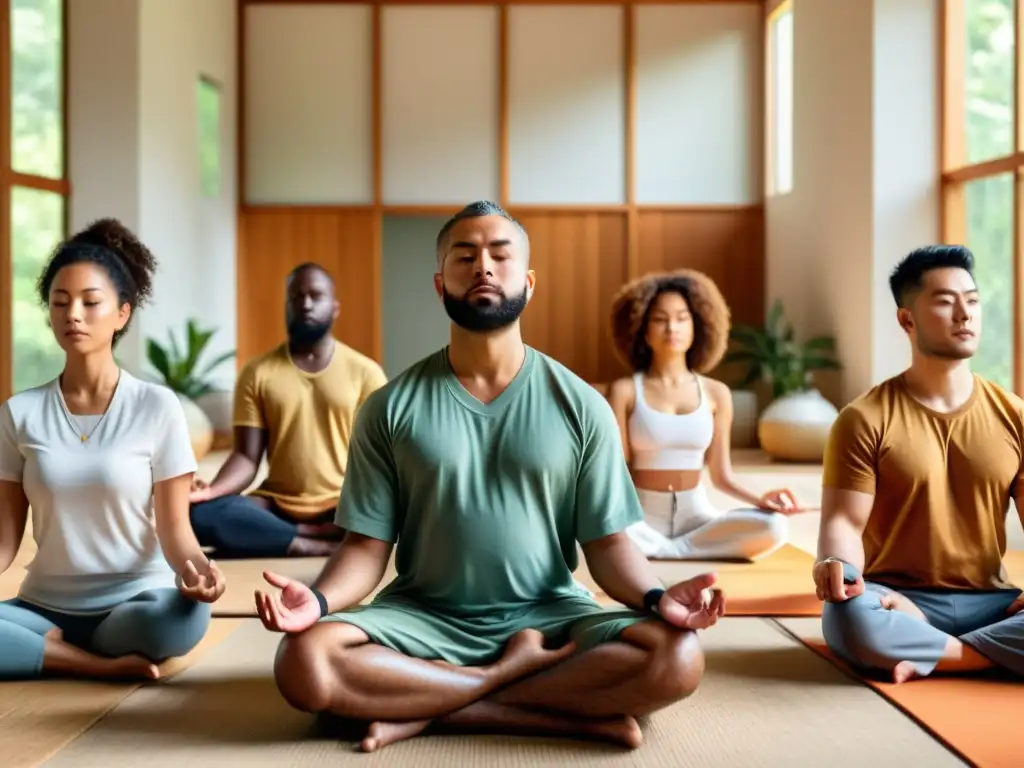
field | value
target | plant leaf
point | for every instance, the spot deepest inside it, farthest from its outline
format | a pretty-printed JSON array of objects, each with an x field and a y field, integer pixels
[
  {"x": 219, "y": 360},
  {"x": 157, "y": 357}
]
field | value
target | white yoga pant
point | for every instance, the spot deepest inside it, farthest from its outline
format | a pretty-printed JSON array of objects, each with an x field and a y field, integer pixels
[{"x": 684, "y": 525}]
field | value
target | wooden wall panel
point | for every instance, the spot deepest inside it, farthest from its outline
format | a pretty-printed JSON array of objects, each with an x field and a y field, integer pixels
[
  {"x": 727, "y": 245},
  {"x": 580, "y": 261},
  {"x": 274, "y": 240}
]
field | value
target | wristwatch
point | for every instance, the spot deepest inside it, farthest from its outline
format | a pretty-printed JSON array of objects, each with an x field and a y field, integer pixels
[
  {"x": 322, "y": 600},
  {"x": 651, "y": 600}
]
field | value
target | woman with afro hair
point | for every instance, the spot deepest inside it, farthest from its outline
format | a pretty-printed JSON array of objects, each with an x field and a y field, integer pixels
[
  {"x": 118, "y": 583},
  {"x": 671, "y": 329}
]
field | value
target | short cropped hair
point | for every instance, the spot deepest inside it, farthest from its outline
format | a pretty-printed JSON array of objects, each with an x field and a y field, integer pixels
[
  {"x": 477, "y": 210},
  {"x": 907, "y": 279}
]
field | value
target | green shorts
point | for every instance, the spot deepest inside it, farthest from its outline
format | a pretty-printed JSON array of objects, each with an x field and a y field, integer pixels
[{"x": 412, "y": 629}]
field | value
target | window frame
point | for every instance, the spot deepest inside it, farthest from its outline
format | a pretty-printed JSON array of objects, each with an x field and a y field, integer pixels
[
  {"x": 10, "y": 179},
  {"x": 955, "y": 173},
  {"x": 774, "y": 10}
]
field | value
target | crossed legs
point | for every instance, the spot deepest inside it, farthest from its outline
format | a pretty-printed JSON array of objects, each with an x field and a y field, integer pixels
[
  {"x": 250, "y": 526},
  {"x": 128, "y": 642},
  {"x": 334, "y": 668},
  {"x": 684, "y": 525},
  {"x": 915, "y": 633}
]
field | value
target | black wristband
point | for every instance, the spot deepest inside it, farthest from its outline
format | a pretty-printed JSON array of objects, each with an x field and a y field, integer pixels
[
  {"x": 652, "y": 598},
  {"x": 320, "y": 599}
]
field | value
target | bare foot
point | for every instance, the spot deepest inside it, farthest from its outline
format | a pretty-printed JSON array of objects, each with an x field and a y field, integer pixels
[
  {"x": 319, "y": 530},
  {"x": 904, "y": 672},
  {"x": 305, "y": 547},
  {"x": 128, "y": 668},
  {"x": 381, "y": 734},
  {"x": 622, "y": 730},
  {"x": 483, "y": 717},
  {"x": 525, "y": 654},
  {"x": 894, "y": 601}
]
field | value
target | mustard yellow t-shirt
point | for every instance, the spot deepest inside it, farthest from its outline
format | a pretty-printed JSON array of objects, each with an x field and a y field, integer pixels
[
  {"x": 942, "y": 483},
  {"x": 308, "y": 418}
]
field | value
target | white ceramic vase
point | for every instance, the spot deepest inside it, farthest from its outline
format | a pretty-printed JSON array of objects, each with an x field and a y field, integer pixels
[
  {"x": 795, "y": 427},
  {"x": 217, "y": 405},
  {"x": 200, "y": 430}
]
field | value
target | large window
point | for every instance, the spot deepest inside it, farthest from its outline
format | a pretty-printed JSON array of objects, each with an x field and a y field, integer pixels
[
  {"x": 34, "y": 187},
  {"x": 779, "y": 74},
  {"x": 983, "y": 163},
  {"x": 208, "y": 111}
]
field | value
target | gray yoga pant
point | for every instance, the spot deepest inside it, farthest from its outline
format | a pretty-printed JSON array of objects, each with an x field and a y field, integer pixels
[
  {"x": 158, "y": 624},
  {"x": 866, "y": 635}
]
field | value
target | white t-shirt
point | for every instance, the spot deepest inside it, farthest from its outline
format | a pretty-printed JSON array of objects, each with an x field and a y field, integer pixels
[{"x": 92, "y": 501}]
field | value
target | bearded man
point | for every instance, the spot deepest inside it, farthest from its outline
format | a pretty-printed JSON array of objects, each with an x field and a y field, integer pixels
[
  {"x": 297, "y": 404},
  {"x": 488, "y": 463}
]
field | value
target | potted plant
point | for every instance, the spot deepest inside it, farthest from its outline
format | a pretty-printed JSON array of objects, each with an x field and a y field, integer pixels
[
  {"x": 796, "y": 423},
  {"x": 207, "y": 407}
]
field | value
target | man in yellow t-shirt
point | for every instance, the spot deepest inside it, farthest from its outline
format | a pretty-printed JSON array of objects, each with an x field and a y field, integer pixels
[
  {"x": 918, "y": 477},
  {"x": 297, "y": 403}
]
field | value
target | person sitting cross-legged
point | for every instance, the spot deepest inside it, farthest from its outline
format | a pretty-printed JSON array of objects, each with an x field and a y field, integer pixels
[
  {"x": 488, "y": 463},
  {"x": 296, "y": 403},
  {"x": 918, "y": 477}
]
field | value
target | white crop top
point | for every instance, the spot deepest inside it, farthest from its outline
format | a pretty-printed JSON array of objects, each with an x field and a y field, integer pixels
[
  {"x": 92, "y": 501},
  {"x": 659, "y": 440}
]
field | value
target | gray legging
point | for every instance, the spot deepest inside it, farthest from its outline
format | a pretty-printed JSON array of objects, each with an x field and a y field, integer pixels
[
  {"x": 870, "y": 637},
  {"x": 158, "y": 624}
]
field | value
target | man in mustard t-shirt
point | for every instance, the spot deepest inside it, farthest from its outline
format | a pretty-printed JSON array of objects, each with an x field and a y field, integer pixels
[
  {"x": 297, "y": 402},
  {"x": 918, "y": 477}
]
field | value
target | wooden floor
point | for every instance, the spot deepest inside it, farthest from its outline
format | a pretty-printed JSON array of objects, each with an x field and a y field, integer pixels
[{"x": 767, "y": 700}]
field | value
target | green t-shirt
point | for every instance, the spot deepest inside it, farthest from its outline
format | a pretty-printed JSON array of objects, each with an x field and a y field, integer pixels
[{"x": 486, "y": 502}]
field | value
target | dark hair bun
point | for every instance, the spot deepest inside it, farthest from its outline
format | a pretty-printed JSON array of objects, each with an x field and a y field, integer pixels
[{"x": 136, "y": 258}]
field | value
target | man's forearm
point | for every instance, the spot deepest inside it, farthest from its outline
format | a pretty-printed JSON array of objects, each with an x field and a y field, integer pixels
[
  {"x": 621, "y": 570},
  {"x": 352, "y": 572},
  {"x": 838, "y": 538},
  {"x": 234, "y": 476}
]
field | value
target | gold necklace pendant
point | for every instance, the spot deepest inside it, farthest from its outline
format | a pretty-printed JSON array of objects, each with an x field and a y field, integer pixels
[{"x": 84, "y": 438}]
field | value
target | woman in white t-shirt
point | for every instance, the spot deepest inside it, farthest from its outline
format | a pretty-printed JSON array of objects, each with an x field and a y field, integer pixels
[{"x": 119, "y": 582}]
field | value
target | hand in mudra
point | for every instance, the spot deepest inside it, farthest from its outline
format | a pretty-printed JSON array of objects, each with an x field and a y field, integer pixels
[
  {"x": 295, "y": 609},
  {"x": 693, "y": 604},
  {"x": 204, "y": 587},
  {"x": 200, "y": 491},
  {"x": 779, "y": 500}
]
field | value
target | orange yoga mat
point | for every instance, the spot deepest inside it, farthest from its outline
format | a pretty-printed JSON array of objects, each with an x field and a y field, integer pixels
[
  {"x": 781, "y": 585},
  {"x": 976, "y": 718},
  {"x": 777, "y": 585}
]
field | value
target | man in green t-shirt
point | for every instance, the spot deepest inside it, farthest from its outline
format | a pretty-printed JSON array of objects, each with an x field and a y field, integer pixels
[{"x": 486, "y": 463}]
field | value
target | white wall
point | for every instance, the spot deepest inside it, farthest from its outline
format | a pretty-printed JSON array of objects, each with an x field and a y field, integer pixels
[
  {"x": 698, "y": 104},
  {"x": 134, "y": 149},
  {"x": 103, "y": 124},
  {"x": 865, "y": 177}
]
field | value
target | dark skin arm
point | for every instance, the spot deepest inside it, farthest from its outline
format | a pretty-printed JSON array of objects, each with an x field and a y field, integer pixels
[
  {"x": 625, "y": 575},
  {"x": 620, "y": 569},
  {"x": 240, "y": 468},
  {"x": 348, "y": 578}
]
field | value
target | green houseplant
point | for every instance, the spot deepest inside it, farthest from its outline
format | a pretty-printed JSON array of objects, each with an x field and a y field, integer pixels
[
  {"x": 207, "y": 408},
  {"x": 796, "y": 423},
  {"x": 179, "y": 366},
  {"x": 773, "y": 355}
]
